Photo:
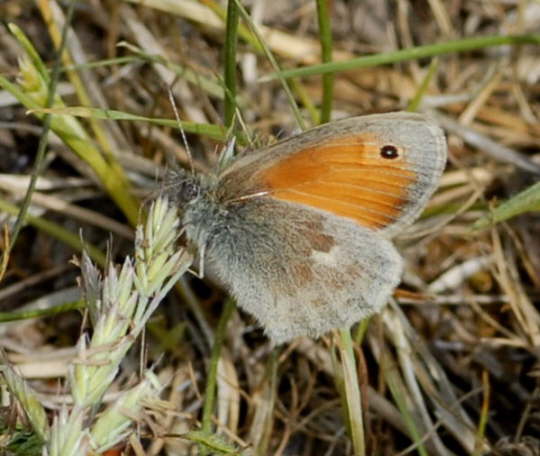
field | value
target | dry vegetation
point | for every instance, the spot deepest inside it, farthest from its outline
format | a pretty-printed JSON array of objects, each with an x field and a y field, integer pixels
[{"x": 450, "y": 368}]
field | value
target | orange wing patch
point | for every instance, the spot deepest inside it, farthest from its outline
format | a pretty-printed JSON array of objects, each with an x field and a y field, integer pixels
[{"x": 357, "y": 177}]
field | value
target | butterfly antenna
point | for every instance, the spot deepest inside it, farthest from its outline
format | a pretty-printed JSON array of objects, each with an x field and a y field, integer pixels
[{"x": 182, "y": 132}]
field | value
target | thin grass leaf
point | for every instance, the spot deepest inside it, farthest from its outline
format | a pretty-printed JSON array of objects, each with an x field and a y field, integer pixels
[
  {"x": 48, "y": 85},
  {"x": 213, "y": 442},
  {"x": 41, "y": 313},
  {"x": 484, "y": 416},
  {"x": 352, "y": 392},
  {"x": 67, "y": 436},
  {"x": 213, "y": 131},
  {"x": 417, "y": 99},
  {"x": 275, "y": 65},
  {"x": 419, "y": 52},
  {"x": 526, "y": 201},
  {"x": 399, "y": 393},
  {"x": 211, "y": 382},
  {"x": 210, "y": 85}
]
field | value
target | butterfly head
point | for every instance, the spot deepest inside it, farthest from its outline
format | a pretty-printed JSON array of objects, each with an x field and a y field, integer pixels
[
  {"x": 188, "y": 190},
  {"x": 195, "y": 196},
  {"x": 183, "y": 187}
]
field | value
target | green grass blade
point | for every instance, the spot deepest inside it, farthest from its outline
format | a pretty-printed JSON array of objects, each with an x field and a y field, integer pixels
[
  {"x": 351, "y": 388},
  {"x": 526, "y": 201},
  {"x": 41, "y": 313},
  {"x": 325, "y": 36},
  {"x": 273, "y": 61},
  {"x": 210, "y": 85},
  {"x": 417, "y": 99},
  {"x": 231, "y": 39},
  {"x": 399, "y": 393},
  {"x": 419, "y": 52},
  {"x": 52, "y": 83},
  {"x": 213, "y": 131},
  {"x": 211, "y": 383}
]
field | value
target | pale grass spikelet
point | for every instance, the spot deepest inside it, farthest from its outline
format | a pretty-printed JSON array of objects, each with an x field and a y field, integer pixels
[
  {"x": 68, "y": 436},
  {"x": 91, "y": 286},
  {"x": 157, "y": 259},
  {"x": 113, "y": 425},
  {"x": 156, "y": 256},
  {"x": 33, "y": 75},
  {"x": 124, "y": 302},
  {"x": 120, "y": 304},
  {"x": 97, "y": 362},
  {"x": 31, "y": 81}
]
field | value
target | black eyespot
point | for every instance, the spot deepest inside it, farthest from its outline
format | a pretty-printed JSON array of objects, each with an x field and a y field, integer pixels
[{"x": 389, "y": 152}]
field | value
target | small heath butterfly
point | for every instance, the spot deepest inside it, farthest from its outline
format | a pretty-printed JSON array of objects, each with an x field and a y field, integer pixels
[{"x": 299, "y": 232}]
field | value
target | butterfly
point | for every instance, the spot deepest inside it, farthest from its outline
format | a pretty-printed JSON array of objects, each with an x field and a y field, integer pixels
[{"x": 300, "y": 232}]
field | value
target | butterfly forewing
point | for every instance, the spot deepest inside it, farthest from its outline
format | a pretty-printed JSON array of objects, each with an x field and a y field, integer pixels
[
  {"x": 377, "y": 170},
  {"x": 346, "y": 177}
]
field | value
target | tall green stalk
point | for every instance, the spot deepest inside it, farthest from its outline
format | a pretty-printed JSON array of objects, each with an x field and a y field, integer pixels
[
  {"x": 325, "y": 36},
  {"x": 231, "y": 39}
]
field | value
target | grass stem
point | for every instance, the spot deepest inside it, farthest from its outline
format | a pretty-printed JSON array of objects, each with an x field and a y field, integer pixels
[
  {"x": 211, "y": 383},
  {"x": 325, "y": 36},
  {"x": 231, "y": 39},
  {"x": 352, "y": 392}
]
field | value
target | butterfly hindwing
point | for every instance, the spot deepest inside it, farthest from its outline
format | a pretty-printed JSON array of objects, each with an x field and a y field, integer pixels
[{"x": 305, "y": 272}]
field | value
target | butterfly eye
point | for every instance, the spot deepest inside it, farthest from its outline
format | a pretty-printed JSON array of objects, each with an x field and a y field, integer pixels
[
  {"x": 389, "y": 152},
  {"x": 189, "y": 191}
]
